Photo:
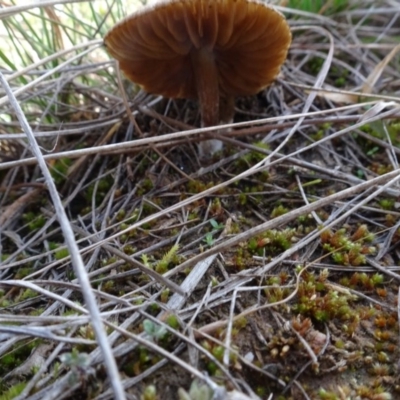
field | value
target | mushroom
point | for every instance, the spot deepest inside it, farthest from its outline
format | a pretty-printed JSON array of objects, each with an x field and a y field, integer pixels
[{"x": 210, "y": 50}]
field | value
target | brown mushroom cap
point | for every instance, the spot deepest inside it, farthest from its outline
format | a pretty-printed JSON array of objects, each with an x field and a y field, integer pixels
[{"x": 248, "y": 41}]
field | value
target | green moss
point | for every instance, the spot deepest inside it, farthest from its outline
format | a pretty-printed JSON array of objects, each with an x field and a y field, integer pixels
[
  {"x": 325, "y": 395},
  {"x": 251, "y": 158},
  {"x": 109, "y": 286},
  {"x": 165, "y": 295},
  {"x": 172, "y": 321},
  {"x": 23, "y": 272},
  {"x": 28, "y": 294},
  {"x": 197, "y": 186},
  {"x": 169, "y": 259},
  {"x": 149, "y": 393},
  {"x": 60, "y": 254},
  {"x": 320, "y": 302},
  {"x": 37, "y": 311},
  {"x": 100, "y": 189},
  {"x": 13, "y": 391},
  {"x": 218, "y": 352},
  {"x": 278, "y": 211},
  {"x": 33, "y": 220},
  {"x": 17, "y": 355},
  {"x": 242, "y": 198},
  {"x": 145, "y": 187},
  {"x": 59, "y": 171},
  {"x": 346, "y": 249},
  {"x": 271, "y": 242},
  {"x": 387, "y": 204},
  {"x": 120, "y": 215}
]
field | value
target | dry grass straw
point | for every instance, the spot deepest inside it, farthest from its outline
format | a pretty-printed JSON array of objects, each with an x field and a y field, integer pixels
[{"x": 126, "y": 203}]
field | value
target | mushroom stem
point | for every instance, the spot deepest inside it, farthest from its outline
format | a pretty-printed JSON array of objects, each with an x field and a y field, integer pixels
[
  {"x": 206, "y": 77},
  {"x": 226, "y": 109}
]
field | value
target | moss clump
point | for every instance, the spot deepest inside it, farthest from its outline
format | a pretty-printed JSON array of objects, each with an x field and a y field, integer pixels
[
  {"x": 387, "y": 204},
  {"x": 23, "y": 272},
  {"x": 33, "y": 220},
  {"x": 365, "y": 281},
  {"x": 346, "y": 249},
  {"x": 278, "y": 211},
  {"x": 271, "y": 242},
  {"x": 317, "y": 299},
  {"x": 99, "y": 190}
]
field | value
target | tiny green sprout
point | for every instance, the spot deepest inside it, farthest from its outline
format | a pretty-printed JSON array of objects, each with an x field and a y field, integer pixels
[
  {"x": 215, "y": 225},
  {"x": 209, "y": 240},
  {"x": 373, "y": 151},
  {"x": 360, "y": 173},
  {"x": 150, "y": 393},
  {"x": 145, "y": 260},
  {"x": 75, "y": 359},
  {"x": 79, "y": 363},
  {"x": 162, "y": 265},
  {"x": 198, "y": 391},
  {"x": 214, "y": 281},
  {"x": 155, "y": 331}
]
